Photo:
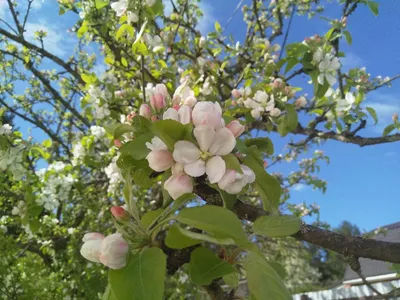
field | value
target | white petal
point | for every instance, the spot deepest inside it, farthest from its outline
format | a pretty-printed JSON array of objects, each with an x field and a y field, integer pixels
[
  {"x": 224, "y": 142},
  {"x": 186, "y": 152},
  {"x": 226, "y": 180},
  {"x": 215, "y": 169},
  {"x": 248, "y": 174},
  {"x": 171, "y": 114},
  {"x": 196, "y": 169},
  {"x": 185, "y": 114},
  {"x": 320, "y": 78},
  {"x": 205, "y": 136},
  {"x": 331, "y": 79}
]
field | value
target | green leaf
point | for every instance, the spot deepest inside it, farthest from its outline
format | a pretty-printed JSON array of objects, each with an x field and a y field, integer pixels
[
  {"x": 205, "y": 266},
  {"x": 288, "y": 122},
  {"x": 232, "y": 162},
  {"x": 142, "y": 177},
  {"x": 269, "y": 188},
  {"x": 178, "y": 239},
  {"x": 263, "y": 281},
  {"x": 169, "y": 131},
  {"x": 232, "y": 279},
  {"x": 290, "y": 64},
  {"x": 125, "y": 29},
  {"x": 218, "y": 27},
  {"x": 122, "y": 129},
  {"x": 228, "y": 199},
  {"x": 149, "y": 217},
  {"x": 215, "y": 220},
  {"x": 137, "y": 147},
  {"x": 348, "y": 37},
  {"x": 388, "y": 129},
  {"x": 178, "y": 203},
  {"x": 263, "y": 144},
  {"x": 47, "y": 143},
  {"x": 101, "y": 3},
  {"x": 279, "y": 269},
  {"x": 140, "y": 48},
  {"x": 143, "y": 277},
  {"x": 186, "y": 238},
  {"x": 276, "y": 226},
  {"x": 373, "y": 114},
  {"x": 108, "y": 294},
  {"x": 374, "y": 7}
]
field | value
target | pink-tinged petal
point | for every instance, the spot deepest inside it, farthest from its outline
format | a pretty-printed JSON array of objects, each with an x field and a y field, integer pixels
[
  {"x": 186, "y": 152},
  {"x": 177, "y": 185},
  {"x": 196, "y": 169},
  {"x": 228, "y": 178},
  {"x": 91, "y": 236},
  {"x": 160, "y": 160},
  {"x": 162, "y": 89},
  {"x": 145, "y": 111},
  {"x": 185, "y": 114},
  {"x": 171, "y": 114},
  {"x": 91, "y": 250},
  {"x": 205, "y": 136},
  {"x": 157, "y": 101},
  {"x": 236, "y": 128},
  {"x": 248, "y": 174},
  {"x": 113, "y": 251},
  {"x": 215, "y": 169},
  {"x": 224, "y": 142},
  {"x": 206, "y": 113}
]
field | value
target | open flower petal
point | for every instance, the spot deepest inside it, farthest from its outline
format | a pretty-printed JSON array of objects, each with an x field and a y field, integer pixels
[
  {"x": 196, "y": 169},
  {"x": 224, "y": 142},
  {"x": 205, "y": 136},
  {"x": 186, "y": 152},
  {"x": 215, "y": 169}
]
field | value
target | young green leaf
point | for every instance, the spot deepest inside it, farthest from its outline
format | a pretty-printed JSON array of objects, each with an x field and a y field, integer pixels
[
  {"x": 101, "y": 4},
  {"x": 205, "y": 266},
  {"x": 373, "y": 114},
  {"x": 276, "y": 226},
  {"x": 348, "y": 37},
  {"x": 263, "y": 144},
  {"x": 269, "y": 188},
  {"x": 218, "y": 27},
  {"x": 149, "y": 217},
  {"x": 388, "y": 129},
  {"x": 374, "y": 7},
  {"x": 137, "y": 148},
  {"x": 142, "y": 278},
  {"x": 169, "y": 131},
  {"x": 214, "y": 219},
  {"x": 142, "y": 177},
  {"x": 232, "y": 279},
  {"x": 263, "y": 281},
  {"x": 232, "y": 162},
  {"x": 122, "y": 129}
]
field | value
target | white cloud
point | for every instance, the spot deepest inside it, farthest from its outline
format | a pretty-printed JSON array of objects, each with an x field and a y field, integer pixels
[
  {"x": 385, "y": 105},
  {"x": 352, "y": 60},
  {"x": 36, "y": 4},
  {"x": 299, "y": 187},
  {"x": 55, "y": 40}
]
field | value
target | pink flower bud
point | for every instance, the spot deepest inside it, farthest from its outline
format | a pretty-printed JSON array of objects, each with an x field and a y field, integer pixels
[
  {"x": 119, "y": 213},
  {"x": 277, "y": 83},
  {"x": 162, "y": 89},
  {"x": 117, "y": 143},
  {"x": 91, "y": 247},
  {"x": 176, "y": 107},
  {"x": 160, "y": 160},
  {"x": 178, "y": 185},
  {"x": 300, "y": 102},
  {"x": 131, "y": 116},
  {"x": 395, "y": 117},
  {"x": 157, "y": 101},
  {"x": 234, "y": 103},
  {"x": 236, "y": 93},
  {"x": 145, "y": 111},
  {"x": 113, "y": 251},
  {"x": 236, "y": 128}
]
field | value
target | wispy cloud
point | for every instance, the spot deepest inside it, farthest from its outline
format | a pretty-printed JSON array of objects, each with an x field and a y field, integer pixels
[
  {"x": 36, "y": 4},
  {"x": 352, "y": 60},
  {"x": 55, "y": 40},
  {"x": 385, "y": 105},
  {"x": 299, "y": 187}
]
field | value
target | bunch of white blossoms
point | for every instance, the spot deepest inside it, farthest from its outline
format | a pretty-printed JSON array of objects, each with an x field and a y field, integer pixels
[
  {"x": 114, "y": 175},
  {"x": 56, "y": 186},
  {"x": 111, "y": 251},
  {"x": 328, "y": 64},
  {"x": 98, "y": 98},
  {"x": 203, "y": 155},
  {"x": 11, "y": 159},
  {"x": 5, "y": 129}
]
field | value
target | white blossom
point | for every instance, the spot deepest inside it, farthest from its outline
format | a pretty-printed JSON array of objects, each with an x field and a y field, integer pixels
[{"x": 6, "y": 129}]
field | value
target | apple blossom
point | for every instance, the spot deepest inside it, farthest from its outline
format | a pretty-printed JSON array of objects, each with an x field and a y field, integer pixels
[
  {"x": 156, "y": 144},
  {"x": 117, "y": 143},
  {"x": 205, "y": 158},
  {"x": 120, "y": 7},
  {"x": 178, "y": 185},
  {"x": 132, "y": 17},
  {"x": 113, "y": 251},
  {"x": 236, "y": 128},
  {"x": 160, "y": 160},
  {"x": 6, "y": 129},
  {"x": 162, "y": 89},
  {"x": 275, "y": 112},
  {"x": 236, "y": 93},
  {"x": 145, "y": 111},
  {"x": 300, "y": 102},
  {"x": 347, "y": 103},
  {"x": 91, "y": 247},
  {"x": 157, "y": 101},
  {"x": 207, "y": 113},
  {"x": 233, "y": 182},
  {"x": 182, "y": 115}
]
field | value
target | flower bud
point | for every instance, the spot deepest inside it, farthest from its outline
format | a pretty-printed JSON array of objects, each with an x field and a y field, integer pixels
[
  {"x": 171, "y": 114},
  {"x": 162, "y": 89},
  {"x": 117, "y": 143},
  {"x": 113, "y": 251},
  {"x": 275, "y": 112},
  {"x": 277, "y": 83},
  {"x": 395, "y": 117},
  {"x": 91, "y": 247},
  {"x": 160, "y": 160},
  {"x": 236, "y": 128},
  {"x": 119, "y": 213},
  {"x": 145, "y": 111},
  {"x": 119, "y": 94},
  {"x": 178, "y": 185},
  {"x": 157, "y": 101},
  {"x": 207, "y": 113},
  {"x": 300, "y": 102},
  {"x": 236, "y": 93}
]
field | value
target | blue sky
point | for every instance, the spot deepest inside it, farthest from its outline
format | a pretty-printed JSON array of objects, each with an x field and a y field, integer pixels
[{"x": 362, "y": 182}]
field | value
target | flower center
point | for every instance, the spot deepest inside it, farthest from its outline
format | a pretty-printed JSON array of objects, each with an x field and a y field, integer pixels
[{"x": 204, "y": 155}]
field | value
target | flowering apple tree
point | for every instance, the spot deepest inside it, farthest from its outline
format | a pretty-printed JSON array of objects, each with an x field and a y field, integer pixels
[{"x": 167, "y": 140}]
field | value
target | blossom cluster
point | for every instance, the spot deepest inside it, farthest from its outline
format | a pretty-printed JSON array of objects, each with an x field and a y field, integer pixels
[
  {"x": 11, "y": 159},
  {"x": 56, "y": 185},
  {"x": 111, "y": 251},
  {"x": 201, "y": 156}
]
